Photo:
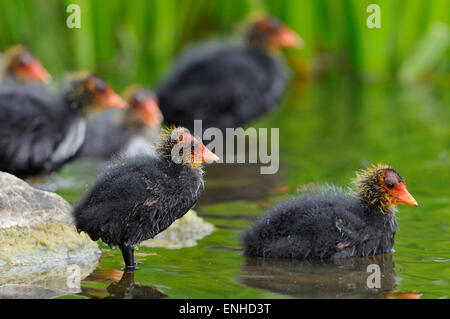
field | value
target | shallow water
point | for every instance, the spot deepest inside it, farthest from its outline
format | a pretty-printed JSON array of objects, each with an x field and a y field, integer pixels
[{"x": 327, "y": 131}]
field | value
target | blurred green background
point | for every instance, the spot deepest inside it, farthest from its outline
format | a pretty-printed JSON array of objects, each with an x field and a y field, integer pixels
[{"x": 137, "y": 40}]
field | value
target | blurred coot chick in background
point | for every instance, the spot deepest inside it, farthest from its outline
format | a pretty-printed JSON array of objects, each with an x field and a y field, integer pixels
[
  {"x": 226, "y": 84},
  {"x": 40, "y": 131},
  {"x": 129, "y": 132},
  {"x": 18, "y": 65}
]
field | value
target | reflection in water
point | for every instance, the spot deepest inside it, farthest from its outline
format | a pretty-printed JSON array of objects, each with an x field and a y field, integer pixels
[
  {"x": 326, "y": 132},
  {"x": 126, "y": 288},
  {"x": 123, "y": 286},
  {"x": 45, "y": 280},
  {"x": 343, "y": 278}
]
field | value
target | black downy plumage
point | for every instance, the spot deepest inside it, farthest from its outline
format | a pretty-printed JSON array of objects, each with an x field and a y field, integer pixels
[
  {"x": 332, "y": 223},
  {"x": 228, "y": 85},
  {"x": 41, "y": 131},
  {"x": 139, "y": 197}
]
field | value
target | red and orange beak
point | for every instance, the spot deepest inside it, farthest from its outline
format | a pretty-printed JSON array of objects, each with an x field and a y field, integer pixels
[
  {"x": 149, "y": 113},
  {"x": 208, "y": 156},
  {"x": 199, "y": 153},
  {"x": 402, "y": 196},
  {"x": 34, "y": 72},
  {"x": 109, "y": 98},
  {"x": 286, "y": 38}
]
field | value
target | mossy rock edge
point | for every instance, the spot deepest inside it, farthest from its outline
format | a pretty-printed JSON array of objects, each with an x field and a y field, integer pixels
[{"x": 39, "y": 243}]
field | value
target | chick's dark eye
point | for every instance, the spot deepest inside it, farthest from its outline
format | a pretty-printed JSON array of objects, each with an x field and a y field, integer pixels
[
  {"x": 100, "y": 87},
  {"x": 23, "y": 60},
  {"x": 137, "y": 99},
  {"x": 389, "y": 185},
  {"x": 274, "y": 25}
]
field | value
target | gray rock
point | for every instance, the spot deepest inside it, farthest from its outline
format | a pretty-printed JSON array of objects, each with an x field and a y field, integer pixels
[
  {"x": 39, "y": 242},
  {"x": 184, "y": 232},
  {"x": 22, "y": 205}
]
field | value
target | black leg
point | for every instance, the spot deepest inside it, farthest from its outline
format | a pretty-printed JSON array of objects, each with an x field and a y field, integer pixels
[{"x": 128, "y": 256}]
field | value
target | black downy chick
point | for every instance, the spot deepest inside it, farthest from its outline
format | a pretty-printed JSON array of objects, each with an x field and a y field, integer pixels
[
  {"x": 228, "y": 85},
  {"x": 333, "y": 223},
  {"x": 40, "y": 131},
  {"x": 139, "y": 197}
]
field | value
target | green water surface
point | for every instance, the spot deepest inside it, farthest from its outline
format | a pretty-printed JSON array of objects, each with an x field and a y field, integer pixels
[{"x": 327, "y": 131}]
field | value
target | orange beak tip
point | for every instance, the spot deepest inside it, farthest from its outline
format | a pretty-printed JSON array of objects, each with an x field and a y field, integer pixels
[
  {"x": 37, "y": 72},
  {"x": 47, "y": 78},
  {"x": 210, "y": 157},
  {"x": 289, "y": 39},
  {"x": 123, "y": 105},
  {"x": 413, "y": 202},
  {"x": 118, "y": 102},
  {"x": 404, "y": 197},
  {"x": 151, "y": 114},
  {"x": 297, "y": 42},
  {"x": 410, "y": 201}
]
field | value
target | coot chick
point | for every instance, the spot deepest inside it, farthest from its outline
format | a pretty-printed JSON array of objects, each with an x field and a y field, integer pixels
[
  {"x": 228, "y": 85},
  {"x": 40, "y": 131},
  {"x": 332, "y": 223},
  {"x": 18, "y": 65},
  {"x": 116, "y": 131},
  {"x": 139, "y": 197}
]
